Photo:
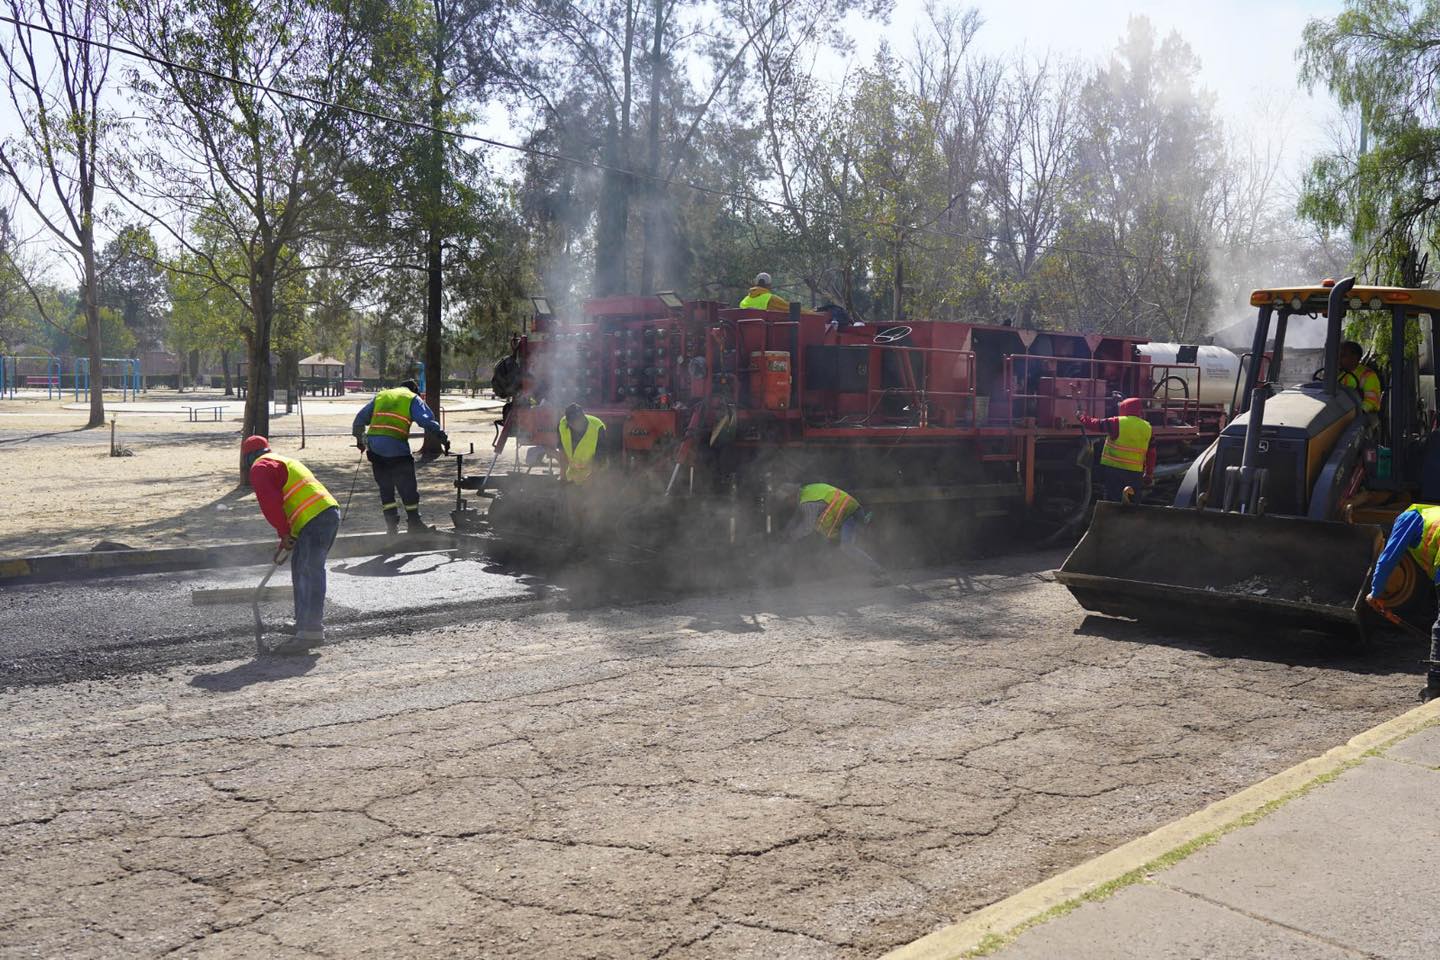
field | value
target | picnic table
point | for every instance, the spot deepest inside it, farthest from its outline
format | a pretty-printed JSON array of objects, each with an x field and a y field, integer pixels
[{"x": 196, "y": 411}]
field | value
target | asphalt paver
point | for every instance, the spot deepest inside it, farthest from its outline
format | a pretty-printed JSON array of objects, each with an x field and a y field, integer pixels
[{"x": 826, "y": 771}]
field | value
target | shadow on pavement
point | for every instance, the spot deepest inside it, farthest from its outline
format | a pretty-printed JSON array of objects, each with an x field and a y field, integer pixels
[
  {"x": 1383, "y": 653},
  {"x": 392, "y": 565},
  {"x": 262, "y": 670}
]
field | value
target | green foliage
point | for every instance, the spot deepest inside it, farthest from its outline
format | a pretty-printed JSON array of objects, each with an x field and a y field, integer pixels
[{"x": 1379, "y": 58}]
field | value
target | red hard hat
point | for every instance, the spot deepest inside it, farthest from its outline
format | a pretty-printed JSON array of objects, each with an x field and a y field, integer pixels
[
  {"x": 254, "y": 444},
  {"x": 1133, "y": 407}
]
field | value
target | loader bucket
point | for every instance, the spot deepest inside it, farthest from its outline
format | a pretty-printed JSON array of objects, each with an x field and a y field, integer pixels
[{"x": 1244, "y": 572}]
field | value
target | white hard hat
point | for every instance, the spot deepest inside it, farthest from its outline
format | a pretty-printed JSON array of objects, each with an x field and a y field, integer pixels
[{"x": 762, "y": 279}]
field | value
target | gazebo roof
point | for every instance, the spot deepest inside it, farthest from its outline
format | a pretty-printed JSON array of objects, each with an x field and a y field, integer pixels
[{"x": 320, "y": 360}]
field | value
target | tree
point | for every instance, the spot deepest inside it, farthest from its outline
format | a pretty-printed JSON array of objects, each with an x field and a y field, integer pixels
[
  {"x": 56, "y": 78},
  {"x": 1379, "y": 58},
  {"x": 133, "y": 284},
  {"x": 231, "y": 155},
  {"x": 1150, "y": 155}
]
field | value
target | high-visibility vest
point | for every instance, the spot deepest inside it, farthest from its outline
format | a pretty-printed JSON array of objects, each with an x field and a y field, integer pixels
[
  {"x": 1127, "y": 451},
  {"x": 580, "y": 459},
  {"x": 390, "y": 416},
  {"x": 304, "y": 496},
  {"x": 1428, "y": 553},
  {"x": 1367, "y": 383},
  {"x": 839, "y": 506},
  {"x": 764, "y": 300}
]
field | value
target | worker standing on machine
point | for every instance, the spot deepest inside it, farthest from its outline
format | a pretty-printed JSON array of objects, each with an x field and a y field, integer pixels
[
  {"x": 838, "y": 518},
  {"x": 1418, "y": 531},
  {"x": 1358, "y": 377},
  {"x": 382, "y": 430},
  {"x": 307, "y": 518},
  {"x": 760, "y": 297},
  {"x": 1128, "y": 458}
]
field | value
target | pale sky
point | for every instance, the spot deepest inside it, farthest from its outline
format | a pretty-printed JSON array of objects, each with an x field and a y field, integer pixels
[{"x": 1246, "y": 48}]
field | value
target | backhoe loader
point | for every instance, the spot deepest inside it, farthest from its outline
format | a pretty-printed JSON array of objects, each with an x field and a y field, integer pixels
[{"x": 1276, "y": 526}]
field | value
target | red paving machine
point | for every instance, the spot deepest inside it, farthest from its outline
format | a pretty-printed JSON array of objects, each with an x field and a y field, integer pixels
[{"x": 939, "y": 427}]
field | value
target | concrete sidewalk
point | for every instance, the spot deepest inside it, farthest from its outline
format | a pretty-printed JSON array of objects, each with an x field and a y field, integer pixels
[{"x": 1336, "y": 869}]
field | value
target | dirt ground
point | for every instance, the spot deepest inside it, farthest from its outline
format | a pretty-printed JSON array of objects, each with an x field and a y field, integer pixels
[{"x": 66, "y": 493}]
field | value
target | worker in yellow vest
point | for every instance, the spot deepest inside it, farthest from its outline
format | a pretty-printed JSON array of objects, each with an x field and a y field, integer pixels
[
  {"x": 837, "y": 518},
  {"x": 760, "y": 297},
  {"x": 582, "y": 444},
  {"x": 1128, "y": 458},
  {"x": 307, "y": 518},
  {"x": 1416, "y": 531},
  {"x": 382, "y": 430},
  {"x": 1358, "y": 377}
]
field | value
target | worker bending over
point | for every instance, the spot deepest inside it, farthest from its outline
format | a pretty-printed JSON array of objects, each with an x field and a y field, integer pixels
[
  {"x": 1418, "y": 531},
  {"x": 838, "y": 518},
  {"x": 760, "y": 297},
  {"x": 1358, "y": 377},
  {"x": 581, "y": 444},
  {"x": 1128, "y": 459},
  {"x": 307, "y": 518},
  {"x": 382, "y": 430}
]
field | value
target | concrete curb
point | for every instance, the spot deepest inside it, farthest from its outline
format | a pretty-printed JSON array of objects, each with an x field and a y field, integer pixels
[
  {"x": 118, "y": 563},
  {"x": 997, "y": 924}
]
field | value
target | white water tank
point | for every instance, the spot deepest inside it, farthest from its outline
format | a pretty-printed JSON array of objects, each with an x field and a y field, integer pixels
[{"x": 1218, "y": 369}]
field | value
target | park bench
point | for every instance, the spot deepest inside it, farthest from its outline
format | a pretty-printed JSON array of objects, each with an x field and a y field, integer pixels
[
  {"x": 42, "y": 381},
  {"x": 216, "y": 411},
  {"x": 354, "y": 386}
]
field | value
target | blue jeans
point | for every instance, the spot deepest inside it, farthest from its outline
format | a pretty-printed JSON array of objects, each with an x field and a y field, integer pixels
[
  {"x": 307, "y": 568},
  {"x": 1113, "y": 481},
  {"x": 849, "y": 545}
]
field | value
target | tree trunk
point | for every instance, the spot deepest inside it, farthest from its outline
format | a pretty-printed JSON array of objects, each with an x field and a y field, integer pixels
[
  {"x": 435, "y": 241},
  {"x": 651, "y": 246},
  {"x": 92, "y": 333},
  {"x": 612, "y": 220},
  {"x": 260, "y": 381},
  {"x": 433, "y": 343},
  {"x": 896, "y": 303},
  {"x": 225, "y": 366}
]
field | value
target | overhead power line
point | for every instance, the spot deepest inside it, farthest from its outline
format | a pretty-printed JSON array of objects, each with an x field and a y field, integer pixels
[{"x": 537, "y": 152}]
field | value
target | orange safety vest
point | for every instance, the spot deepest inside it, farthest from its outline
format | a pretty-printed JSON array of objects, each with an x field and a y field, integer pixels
[
  {"x": 305, "y": 498},
  {"x": 839, "y": 506},
  {"x": 390, "y": 416},
  {"x": 1127, "y": 451}
]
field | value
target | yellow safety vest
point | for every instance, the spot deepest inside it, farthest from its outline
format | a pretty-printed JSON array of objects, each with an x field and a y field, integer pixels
[
  {"x": 1367, "y": 383},
  {"x": 391, "y": 414},
  {"x": 579, "y": 459},
  {"x": 1428, "y": 553},
  {"x": 764, "y": 300},
  {"x": 839, "y": 506},
  {"x": 305, "y": 497},
  {"x": 1127, "y": 452}
]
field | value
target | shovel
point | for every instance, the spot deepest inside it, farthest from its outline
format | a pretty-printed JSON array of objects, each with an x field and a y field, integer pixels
[{"x": 281, "y": 555}]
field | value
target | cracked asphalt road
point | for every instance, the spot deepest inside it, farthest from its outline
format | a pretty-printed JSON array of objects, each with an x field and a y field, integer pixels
[{"x": 824, "y": 772}]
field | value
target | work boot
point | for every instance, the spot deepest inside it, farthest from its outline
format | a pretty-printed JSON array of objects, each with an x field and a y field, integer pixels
[
  {"x": 1431, "y": 690},
  {"x": 302, "y": 642},
  {"x": 392, "y": 522},
  {"x": 413, "y": 524}
]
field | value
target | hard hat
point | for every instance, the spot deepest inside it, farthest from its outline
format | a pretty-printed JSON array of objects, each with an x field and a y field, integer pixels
[
  {"x": 1132, "y": 407},
  {"x": 762, "y": 279},
  {"x": 255, "y": 444},
  {"x": 410, "y": 385}
]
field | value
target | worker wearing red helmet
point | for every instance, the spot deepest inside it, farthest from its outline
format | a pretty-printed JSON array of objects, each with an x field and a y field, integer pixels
[
  {"x": 1128, "y": 458},
  {"x": 307, "y": 518}
]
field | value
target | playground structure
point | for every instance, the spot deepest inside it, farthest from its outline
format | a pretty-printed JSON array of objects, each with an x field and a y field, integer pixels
[
  {"x": 13, "y": 377},
  {"x": 10, "y": 376},
  {"x": 131, "y": 382}
]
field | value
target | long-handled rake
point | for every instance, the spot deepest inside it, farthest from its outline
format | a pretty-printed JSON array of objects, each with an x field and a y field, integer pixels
[{"x": 281, "y": 555}]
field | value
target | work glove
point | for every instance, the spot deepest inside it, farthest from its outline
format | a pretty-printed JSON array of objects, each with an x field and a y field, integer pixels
[
  {"x": 360, "y": 443},
  {"x": 444, "y": 440}
]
